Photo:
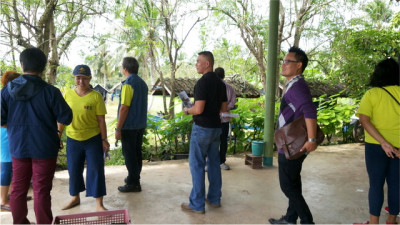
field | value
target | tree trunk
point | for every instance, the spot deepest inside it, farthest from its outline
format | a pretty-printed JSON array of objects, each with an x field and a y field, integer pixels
[
  {"x": 172, "y": 94},
  {"x": 280, "y": 35},
  {"x": 12, "y": 47},
  {"x": 53, "y": 62},
  {"x": 104, "y": 80},
  {"x": 155, "y": 68}
]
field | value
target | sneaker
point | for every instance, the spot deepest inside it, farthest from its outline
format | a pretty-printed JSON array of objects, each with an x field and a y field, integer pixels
[
  {"x": 212, "y": 204},
  {"x": 387, "y": 211},
  {"x": 224, "y": 166},
  {"x": 187, "y": 208}
]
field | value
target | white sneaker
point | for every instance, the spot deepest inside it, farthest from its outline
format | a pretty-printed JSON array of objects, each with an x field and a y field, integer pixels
[{"x": 224, "y": 166}]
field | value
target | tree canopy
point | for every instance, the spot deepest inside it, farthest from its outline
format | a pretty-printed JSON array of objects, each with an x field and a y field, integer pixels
[{"x": 344, "y": 39}]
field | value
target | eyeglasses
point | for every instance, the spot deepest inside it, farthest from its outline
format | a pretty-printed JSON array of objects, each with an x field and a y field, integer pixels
[{"x": 288, "y": 61}]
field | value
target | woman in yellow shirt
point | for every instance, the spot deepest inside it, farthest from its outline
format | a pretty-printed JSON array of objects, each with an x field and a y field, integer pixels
[
  {"x": 379, "y": 113},
  {"x": 86, "y": 140}
]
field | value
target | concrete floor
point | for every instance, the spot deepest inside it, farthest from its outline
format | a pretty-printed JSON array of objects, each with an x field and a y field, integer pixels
[{"x": 335, "y": 185}]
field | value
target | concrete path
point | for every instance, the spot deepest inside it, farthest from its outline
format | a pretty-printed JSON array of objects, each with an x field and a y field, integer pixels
[{"x": 335, "y": 185}]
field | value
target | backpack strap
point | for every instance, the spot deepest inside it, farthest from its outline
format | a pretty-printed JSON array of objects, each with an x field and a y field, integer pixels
[{"x": 391, "y": 95}]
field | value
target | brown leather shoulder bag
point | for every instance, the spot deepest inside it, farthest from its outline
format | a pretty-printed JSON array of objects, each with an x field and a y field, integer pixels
[{"x": 291, "y": 138}]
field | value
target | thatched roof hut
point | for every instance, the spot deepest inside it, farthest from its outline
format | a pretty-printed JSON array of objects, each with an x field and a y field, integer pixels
[
  {"x": 243, "y": 89},
  {"x": 319, "y": 88}
]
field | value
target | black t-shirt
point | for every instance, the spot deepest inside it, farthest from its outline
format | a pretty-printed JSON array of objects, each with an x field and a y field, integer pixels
[{"x": 211, "y": 89}]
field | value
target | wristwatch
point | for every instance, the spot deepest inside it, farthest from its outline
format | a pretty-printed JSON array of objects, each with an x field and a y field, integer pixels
[{"x": 312, "y": 140}]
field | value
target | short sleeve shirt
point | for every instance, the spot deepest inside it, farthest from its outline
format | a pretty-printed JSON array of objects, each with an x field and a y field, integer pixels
[
  {"x": 126, "y": 95},
  {"x": 85, "y": 110},
  {"x": 384, "y": 113},
  {"x": 212, "y": 90}
]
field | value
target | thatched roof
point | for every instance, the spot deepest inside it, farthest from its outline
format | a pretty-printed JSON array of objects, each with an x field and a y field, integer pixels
[
  {"x": 242, "y": 88},
  {"x": 319, "y": 88}
]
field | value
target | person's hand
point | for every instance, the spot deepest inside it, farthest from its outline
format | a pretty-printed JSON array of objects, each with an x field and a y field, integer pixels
[
  {"x": 61, "y": 145},
  {"x": 390, "y": 151},
  {"x": 61, "y": 142},
  {"x": 117, "y": 134},
  {"x": 106, "y": 146},
  {"x": 309, "y": 146},
  {"x": 185, "y": 110},
  {"x": 397, "y": 152}
]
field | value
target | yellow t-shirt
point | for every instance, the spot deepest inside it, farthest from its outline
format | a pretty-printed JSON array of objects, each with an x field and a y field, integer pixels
[
  {"x": 126, "y": 95},
  {"x": 384, "y": 113},
  {"x": 85, "y": 110}
]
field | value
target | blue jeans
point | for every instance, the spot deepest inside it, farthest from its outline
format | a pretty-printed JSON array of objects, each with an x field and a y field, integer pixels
[
  {"x": 6, "y": 173},
  {"x": 204, "y": 143},
  {"x": 381, "y": 168}
]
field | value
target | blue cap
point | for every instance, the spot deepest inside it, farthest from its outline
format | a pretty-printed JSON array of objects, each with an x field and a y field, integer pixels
[{"x": 82, "y": 70}]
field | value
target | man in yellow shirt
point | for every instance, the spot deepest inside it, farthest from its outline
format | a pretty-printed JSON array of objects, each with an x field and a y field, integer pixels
[{"x": 132, "y": 121}]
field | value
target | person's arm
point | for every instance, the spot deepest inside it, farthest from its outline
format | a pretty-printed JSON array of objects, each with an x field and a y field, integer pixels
[
  {"x": 224, "y": 107},
  {"x": 103, "y": 131},
  {"x": 230, "y": 92},
  {"x": 390, "y": 151},
  {"x": 127, "y": 93},
  {"x": 123, "y": 114},
  {"x": 311, "y": 143},
  {"x": 60, "y": 130},
  {"x": 197, "y": 109}
]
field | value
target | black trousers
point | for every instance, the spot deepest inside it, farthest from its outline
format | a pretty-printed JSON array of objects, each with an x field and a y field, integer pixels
[
  {"x": 223, "y": 147},
  {"x": 132, "y": 141},
  {"x": 290, "y": 182}
]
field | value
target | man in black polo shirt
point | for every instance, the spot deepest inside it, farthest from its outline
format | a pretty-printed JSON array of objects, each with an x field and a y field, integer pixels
[{"x": 210, "y": 99}]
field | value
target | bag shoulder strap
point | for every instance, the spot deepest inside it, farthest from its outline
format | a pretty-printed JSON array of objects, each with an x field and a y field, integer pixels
[{"x": 391, "y": 95}]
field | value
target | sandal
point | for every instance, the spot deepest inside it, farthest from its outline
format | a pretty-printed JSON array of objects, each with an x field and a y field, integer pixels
[{"x": 5, "y": 208}]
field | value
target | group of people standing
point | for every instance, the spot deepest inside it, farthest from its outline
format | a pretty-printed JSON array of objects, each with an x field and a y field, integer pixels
[
  {"x": 379, "y": 113},
  {"x": 35, "y": 115}
]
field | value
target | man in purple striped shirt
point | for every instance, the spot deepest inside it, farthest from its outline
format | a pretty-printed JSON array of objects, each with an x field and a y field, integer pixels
[{"x": 295, "y": 102}]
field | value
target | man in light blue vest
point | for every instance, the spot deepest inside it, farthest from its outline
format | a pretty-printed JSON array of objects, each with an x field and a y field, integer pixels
[{"x": 132, "y": 120}]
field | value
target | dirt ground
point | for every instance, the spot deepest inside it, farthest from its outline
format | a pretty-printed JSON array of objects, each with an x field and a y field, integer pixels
[{"x": 335, "y": 185}]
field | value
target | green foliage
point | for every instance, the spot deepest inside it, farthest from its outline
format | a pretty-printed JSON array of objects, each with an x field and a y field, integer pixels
[
  {"x": 65, "y": 78},
  {"x": 250, "y": 123},
  {"x": 333, "y": 113},
  {"x": 235, "y": 60},
  {"x": 169, "y": 135},
  {"x": 4, "y": 67},
  {"x": 378, "y": 11},
  {"x": 395, "y": 22},
  {"x": 356, "y": 54},
  {"x": 62, "y": 154},
  {"x": 116, "y": 157}
]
